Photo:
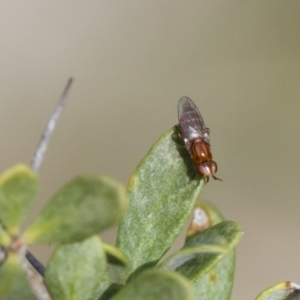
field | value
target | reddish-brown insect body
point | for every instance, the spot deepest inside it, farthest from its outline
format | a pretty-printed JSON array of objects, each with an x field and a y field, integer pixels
[{"x": 196, "y": 137}]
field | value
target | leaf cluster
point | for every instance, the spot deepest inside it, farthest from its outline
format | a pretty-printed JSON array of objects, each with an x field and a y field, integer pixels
[{"x": 161, "y": 195}]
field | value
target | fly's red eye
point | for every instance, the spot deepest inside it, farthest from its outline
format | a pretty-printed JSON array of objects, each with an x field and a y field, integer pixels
[{"x": 208, "y": 168}]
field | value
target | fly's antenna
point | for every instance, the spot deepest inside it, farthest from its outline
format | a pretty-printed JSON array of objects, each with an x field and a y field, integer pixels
[
  {"x": 216, "y": 178},
  {"x": 46, "y": 135}
]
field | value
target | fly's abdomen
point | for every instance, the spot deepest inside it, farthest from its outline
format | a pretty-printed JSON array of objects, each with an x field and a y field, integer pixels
[{"x": 200, "y": 151}]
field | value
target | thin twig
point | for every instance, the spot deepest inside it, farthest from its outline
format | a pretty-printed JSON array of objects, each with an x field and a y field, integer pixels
[
  {"x": 36, "y": 282},
  {"x": 39, "y": 156},
  {"x": 35, "y": 263},
  {"x": 45, "y": 138}
]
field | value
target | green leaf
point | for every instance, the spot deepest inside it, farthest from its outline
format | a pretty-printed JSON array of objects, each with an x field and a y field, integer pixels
[
  {"x": 204, "y": 262},
  {"x": 218, "y": 282},
  {"x": 156, "y": 285},
  {"x": 115, "y": 255},
  {"x": 83, "y": 207},
  {"x": 161, "y": 196},
  {"x": 5, "y": 238},
  {"x": 105, "y": 290},
  {"x": 13, "y": 282},
  {"x": 117, "y": 264},
  {"x": 116, "y": 273},
  {"x": 189, "y": 254},
  {"x": 282, "y": 291},
  {"x": 18, "y": 191},
  {"x": 75, "y": 270}
]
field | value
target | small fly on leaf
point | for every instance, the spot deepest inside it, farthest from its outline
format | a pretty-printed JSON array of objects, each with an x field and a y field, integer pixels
[{"x": 196, "y": 137}]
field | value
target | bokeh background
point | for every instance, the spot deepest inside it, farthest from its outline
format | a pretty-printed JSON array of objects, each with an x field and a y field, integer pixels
[{"x": 132, "y": 60}]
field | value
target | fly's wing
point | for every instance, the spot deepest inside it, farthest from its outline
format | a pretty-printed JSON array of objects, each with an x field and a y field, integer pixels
[{"x": 191, "y": 121}]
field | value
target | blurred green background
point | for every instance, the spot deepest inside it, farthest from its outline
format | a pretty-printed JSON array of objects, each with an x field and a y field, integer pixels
[{"x": 132, "y": 60}]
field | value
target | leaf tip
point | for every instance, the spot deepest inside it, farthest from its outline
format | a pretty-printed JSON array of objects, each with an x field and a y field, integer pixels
[{"x": 18, "y": 169}]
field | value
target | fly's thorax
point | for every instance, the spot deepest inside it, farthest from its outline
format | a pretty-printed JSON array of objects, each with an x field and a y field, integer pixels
[
  {"x": 200, "y": 151},
  {"x": 205, "y": 132}
]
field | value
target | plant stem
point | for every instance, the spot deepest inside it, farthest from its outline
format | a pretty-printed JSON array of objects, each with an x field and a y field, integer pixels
[
  {"x": 39, "y": 156},
  {"x": 47, "y": 133},
  {"x": 35, "y": 263}
]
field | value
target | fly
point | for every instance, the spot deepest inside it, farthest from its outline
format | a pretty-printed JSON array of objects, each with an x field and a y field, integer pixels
[{"x": 196, "y": 137}]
